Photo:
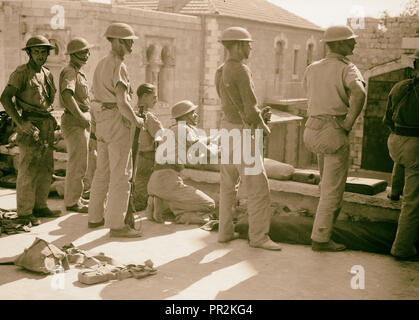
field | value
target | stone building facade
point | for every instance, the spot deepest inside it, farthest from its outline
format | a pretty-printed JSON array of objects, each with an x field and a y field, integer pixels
[
  {"x": 167, "y": 52},
  {"x": 284, "y": 45},
  {"x": 380, "y": 54},
  {"x": 178, "y": 47}
]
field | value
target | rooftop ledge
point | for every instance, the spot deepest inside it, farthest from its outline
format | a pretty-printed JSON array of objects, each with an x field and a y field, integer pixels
[{"x": 303, "y": 196}]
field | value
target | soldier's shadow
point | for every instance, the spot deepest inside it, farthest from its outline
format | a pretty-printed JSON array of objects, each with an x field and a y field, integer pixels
[
  {"x": 75, "y": 227},
  {"x": 175, "y": 278}
]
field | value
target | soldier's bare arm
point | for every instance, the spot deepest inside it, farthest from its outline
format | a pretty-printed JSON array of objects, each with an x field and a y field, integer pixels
[
  {"x": 124, "y": 106},
  {"x": 7, "y": 102},
  {"x": 356, "y": 103},
  {"x": 73, "y": 107}
]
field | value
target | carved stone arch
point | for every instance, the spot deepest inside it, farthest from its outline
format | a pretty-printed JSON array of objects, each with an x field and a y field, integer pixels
[
  {"x": 58, "y": 47},
  {"x": 280, "y": 45},
  {"x": 310, "y": 49},
  {"x": 311, "y": 41},
  {"x": 281, "y": 38},
  {"x": 168, "y": 56}
]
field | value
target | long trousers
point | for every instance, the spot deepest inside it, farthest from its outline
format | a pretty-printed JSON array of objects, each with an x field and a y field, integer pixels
[
  {"x": 405, "y": 152},
  {"x": 77, "y": 141},
  {"x": 110, "y": 190},
  {"x": 256, "y": 187},
  {"x": 330, "y": 142},
  {"x": 36, "y": 166}
]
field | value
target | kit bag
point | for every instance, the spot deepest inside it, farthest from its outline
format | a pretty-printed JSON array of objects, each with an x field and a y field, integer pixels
[{"x": 42, "y": 257}]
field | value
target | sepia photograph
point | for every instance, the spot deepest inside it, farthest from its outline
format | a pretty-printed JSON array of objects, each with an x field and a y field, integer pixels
[{"x": 209, "y": 155}]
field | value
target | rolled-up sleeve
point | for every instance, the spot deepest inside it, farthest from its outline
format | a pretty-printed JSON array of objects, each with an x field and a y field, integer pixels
[
  {"x": 16, "y": 80},
  {"x": 351, "y": 73},
  {"x": 68, "y": 80},
  {"x": 120, "y": 75},
  {"x": 153, "y": 125}
]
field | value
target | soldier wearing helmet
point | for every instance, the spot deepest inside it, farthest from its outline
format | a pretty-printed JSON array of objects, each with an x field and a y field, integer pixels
[
  {"x": 75, "y": 122},
  {"x": 402, "y": 117},
  {"x": 336, "y": 95},
  {"x": 115, "y": 124},
  {"x": 32, "y": 86},
  {"x": 166, "y": 187},
  {"x": 235, "y": 88}
]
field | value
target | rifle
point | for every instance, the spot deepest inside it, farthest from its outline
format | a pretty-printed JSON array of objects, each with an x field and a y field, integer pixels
[{"x": 129, "y": 217}]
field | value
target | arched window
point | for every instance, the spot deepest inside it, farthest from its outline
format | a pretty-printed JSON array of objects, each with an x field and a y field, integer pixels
[
  {"x": 279, "y": 56},
  {"x": 310, "y": 50},
  {"x": 56, "y": 50}
]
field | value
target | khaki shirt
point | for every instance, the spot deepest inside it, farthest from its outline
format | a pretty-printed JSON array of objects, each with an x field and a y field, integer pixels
[
  {"x": 73, "y": 79},
  {"x": 35, "y": 90},
  {"x": 234, "y": 84},
  {"x": 148, "y": 133},
  {"x": 402, "y": 113},
  {"x": 326, "y": 83},
  {"x": 183, "y": 144},
  {"x": 108, "y": 73}
]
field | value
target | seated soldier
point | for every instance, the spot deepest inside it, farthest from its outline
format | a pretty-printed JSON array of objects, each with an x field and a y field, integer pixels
[{"x": 166, "y": 187}]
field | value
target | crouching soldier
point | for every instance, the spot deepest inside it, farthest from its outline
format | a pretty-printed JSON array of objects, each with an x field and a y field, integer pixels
[
  {"x": 166, "y": 187},
  {"x": 32, "y": 86},
  {"x": 75, "y": 122}
]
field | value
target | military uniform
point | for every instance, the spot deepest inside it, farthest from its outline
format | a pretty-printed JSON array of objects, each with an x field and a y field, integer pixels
[
  {"x": 327, "y": 82},
  {"x": 167, "y": 184},
  {"x": 35, "y": 95},
  {"x": 235, "y": 87},
  {"x": 145, "y": 159},
  {"x": 111, "y": 182},
  {"x": 402, "y": 116},
  {"x": 76, "y": 136}
]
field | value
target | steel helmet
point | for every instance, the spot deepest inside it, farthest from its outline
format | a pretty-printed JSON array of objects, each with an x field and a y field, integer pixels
[
  {"x": 38, "y": 41},
  {"x": 78, "y": 44},
  {"x": 119, "y": 30},
  {"x": 236, "y": 34},
  {"x": 182, "y": 107},
  {"x": 338, "y": 33}
]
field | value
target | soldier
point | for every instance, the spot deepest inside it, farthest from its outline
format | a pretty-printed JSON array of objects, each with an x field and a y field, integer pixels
[
  {"x": 166, "y": 186},
  {"x": 336, "y": 95},
  {"x": 402, "y": 116},
  {"x": 75, "y": 122},
  {"x": 32, "y": 86},
  {"x": 115, "y": 122},
  {"x": 147, "y": 98},
  {"x": 235, "y": 87}
]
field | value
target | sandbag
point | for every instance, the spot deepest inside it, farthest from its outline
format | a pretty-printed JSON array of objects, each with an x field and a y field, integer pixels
[
  {"x": 42, "y": 257},
  {"x": 365, "y": 186},
  {"x": 368, "y": 236},
  {"x": 8, "y": 181},
  {"x": 306, "y": 176},
  {"x": 278, "y": 170}
]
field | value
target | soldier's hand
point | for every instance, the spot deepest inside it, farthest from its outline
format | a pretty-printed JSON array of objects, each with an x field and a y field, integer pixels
[
  {"x": 27, "y": 127},
  {"x": 265, "y": 128},
  {"x": 85, "y": 122},
  {"x": 266, "y": 114},
  {"x": 139, "y": 122}
]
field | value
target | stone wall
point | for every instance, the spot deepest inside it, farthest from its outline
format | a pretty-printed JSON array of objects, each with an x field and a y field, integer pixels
[
  {"x": 178, "y": 68},
  {"x": 263, "y": 61},
  {"x": 379, "y": 43}
]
